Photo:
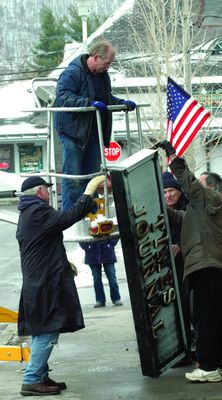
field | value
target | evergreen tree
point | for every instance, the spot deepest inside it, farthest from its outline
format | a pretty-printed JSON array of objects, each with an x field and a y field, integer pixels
[
  {"x": 73, "y": 24},
  {"x": 48, "y": 53}
]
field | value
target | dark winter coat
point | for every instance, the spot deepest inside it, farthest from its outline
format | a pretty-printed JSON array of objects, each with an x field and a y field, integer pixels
[
  {"x": 99, "y": 252},
  {"x": 201, "y": 237},
  {"x": 49, "y": 301},
  {"x": 175, "y": 230},
  {"x": 75, "y": 89}
]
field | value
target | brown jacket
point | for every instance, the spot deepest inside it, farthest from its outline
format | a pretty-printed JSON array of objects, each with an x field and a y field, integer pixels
[{"x": 201, "y": 237}]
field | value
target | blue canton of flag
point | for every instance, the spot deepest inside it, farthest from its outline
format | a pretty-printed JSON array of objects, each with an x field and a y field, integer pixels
[{"x": 185, "y": 116}]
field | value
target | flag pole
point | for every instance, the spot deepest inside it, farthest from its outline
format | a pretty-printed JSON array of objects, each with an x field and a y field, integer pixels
[{"x": 186, "y": 46}]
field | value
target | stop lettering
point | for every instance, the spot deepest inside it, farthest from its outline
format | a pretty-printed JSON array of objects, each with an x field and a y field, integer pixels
[{"x": 113, "y": 152}]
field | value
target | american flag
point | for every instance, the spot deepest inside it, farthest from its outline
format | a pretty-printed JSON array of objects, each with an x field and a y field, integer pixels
[{"x": 185, "y": 116}]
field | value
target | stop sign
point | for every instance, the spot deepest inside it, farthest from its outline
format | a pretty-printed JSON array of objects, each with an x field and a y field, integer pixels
[{"x": 113, "y": 152}]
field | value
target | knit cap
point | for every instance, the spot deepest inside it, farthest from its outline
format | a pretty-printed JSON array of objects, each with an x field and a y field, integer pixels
[{"x": 170, "y": 181}]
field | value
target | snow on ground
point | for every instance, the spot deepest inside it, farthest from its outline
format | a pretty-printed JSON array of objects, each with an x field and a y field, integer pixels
[{"x": 84, "y": 277}]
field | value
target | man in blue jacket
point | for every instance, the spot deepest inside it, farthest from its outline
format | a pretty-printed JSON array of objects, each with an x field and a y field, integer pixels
[
  {"x": 49, "y": 302},
  {"x": 100, "y": 255},
  {"x": 85, "y": 82}
]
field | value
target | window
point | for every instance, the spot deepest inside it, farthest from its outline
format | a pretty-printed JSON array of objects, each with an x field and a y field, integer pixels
[
  {"x": 7, "y": 158},
  {"x": 217, "y": 49},
  {"x": 30, "y": 158}
]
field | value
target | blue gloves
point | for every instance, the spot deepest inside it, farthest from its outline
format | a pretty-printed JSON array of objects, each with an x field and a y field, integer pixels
[
  {"x": 99, "y": 104},
  {"x": 130, "y": 104},
  {"x": 102, "y": 106}
]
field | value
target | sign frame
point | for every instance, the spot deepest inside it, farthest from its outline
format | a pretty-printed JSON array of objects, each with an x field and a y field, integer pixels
[{"x": 149, "y": 263}]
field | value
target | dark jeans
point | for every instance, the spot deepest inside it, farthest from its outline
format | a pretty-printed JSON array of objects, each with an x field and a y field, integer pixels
[
  {"x": 110, "y": 272},
  {"x": 78, "y": 162},
  {"x": 207, "y": 316}
]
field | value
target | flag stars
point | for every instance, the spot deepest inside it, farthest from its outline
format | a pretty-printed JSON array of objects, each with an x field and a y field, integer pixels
[{"x": 183, "y": 111}]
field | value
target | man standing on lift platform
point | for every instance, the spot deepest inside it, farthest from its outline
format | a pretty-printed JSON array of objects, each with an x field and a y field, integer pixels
[{"x": 84, "y": 83}]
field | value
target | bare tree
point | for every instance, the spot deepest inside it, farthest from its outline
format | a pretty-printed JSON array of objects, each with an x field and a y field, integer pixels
[{"x": 165, "y": 37}]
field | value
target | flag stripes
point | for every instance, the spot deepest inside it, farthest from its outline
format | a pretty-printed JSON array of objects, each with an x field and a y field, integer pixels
[{"x": 185, "y": 116}]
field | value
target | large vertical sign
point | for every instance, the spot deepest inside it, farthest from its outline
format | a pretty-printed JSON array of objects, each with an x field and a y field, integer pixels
[{"x": 150, "y": 269}]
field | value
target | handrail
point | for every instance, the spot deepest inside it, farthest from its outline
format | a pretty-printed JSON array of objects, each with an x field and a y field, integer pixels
[
  {"x": 50, "y": 147},
  {"x": 121, "y": 107},
  {"x": 51, "y": 170},
  {"x": 39, "y": 80},
  {"x": 60, "y": 175}
]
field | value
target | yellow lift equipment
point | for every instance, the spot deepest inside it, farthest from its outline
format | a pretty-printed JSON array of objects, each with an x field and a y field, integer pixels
[{"x": 10, "y": 352}]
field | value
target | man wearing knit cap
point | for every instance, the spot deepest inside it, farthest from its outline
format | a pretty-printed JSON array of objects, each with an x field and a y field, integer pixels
[
  {"x": 176, "y": 199},
  {"x": 173, "y": 193}
]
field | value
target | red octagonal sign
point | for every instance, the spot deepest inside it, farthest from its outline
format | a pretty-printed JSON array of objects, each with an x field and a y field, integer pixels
[{"x": 113, "y": 152}]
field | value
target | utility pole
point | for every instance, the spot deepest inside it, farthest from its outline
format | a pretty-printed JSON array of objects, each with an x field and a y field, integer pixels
[
  {"x": 187, "y": 67},
  {"x": 186, "y": 45},
  {"x": 83, "y": 7}
]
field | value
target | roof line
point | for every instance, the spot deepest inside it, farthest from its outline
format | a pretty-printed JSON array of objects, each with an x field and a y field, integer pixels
[{"x": 123, "y": 9}]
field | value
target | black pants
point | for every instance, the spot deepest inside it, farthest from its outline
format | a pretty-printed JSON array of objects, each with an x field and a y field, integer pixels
[
  {"x": 184, "y": 297},
  {"x": 207, "y": 316}
]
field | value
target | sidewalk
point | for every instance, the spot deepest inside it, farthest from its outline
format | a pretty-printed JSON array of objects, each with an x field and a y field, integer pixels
[{"x": 101, "y": 362}]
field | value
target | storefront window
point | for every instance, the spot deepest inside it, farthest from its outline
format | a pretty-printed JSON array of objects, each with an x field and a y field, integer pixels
[
  {"x": 7, "y": 157},
  {"x": 31, "y": 158}
]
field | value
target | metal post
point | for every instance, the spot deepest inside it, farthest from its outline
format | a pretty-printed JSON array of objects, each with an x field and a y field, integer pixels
[
  {"x": 103, "y": 160},
  {"x": 140, "y": 133},
  {"x": 52, "y": 164},
  {"x": 186, "y": 46},
  {"x": 83, "y": 7},
  {"x": 84, "y": 34},
  {"x": 187, "y": 67},
  {"x": 129, "y": 147},
  {"x": 48, "y": 145}
]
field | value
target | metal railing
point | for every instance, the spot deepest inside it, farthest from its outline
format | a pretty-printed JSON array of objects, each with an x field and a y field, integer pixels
[
  {"x": 51, "y": 173},
  {"x": 51, "y": 166}
]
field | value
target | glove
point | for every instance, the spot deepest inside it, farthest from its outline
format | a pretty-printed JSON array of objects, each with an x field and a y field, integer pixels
[
  {"x": 99, "y": 104},
  {"x": 93, "y": 184},
  {"x": 167, "y": 146},
  {"x": 130, "y": 104}
]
